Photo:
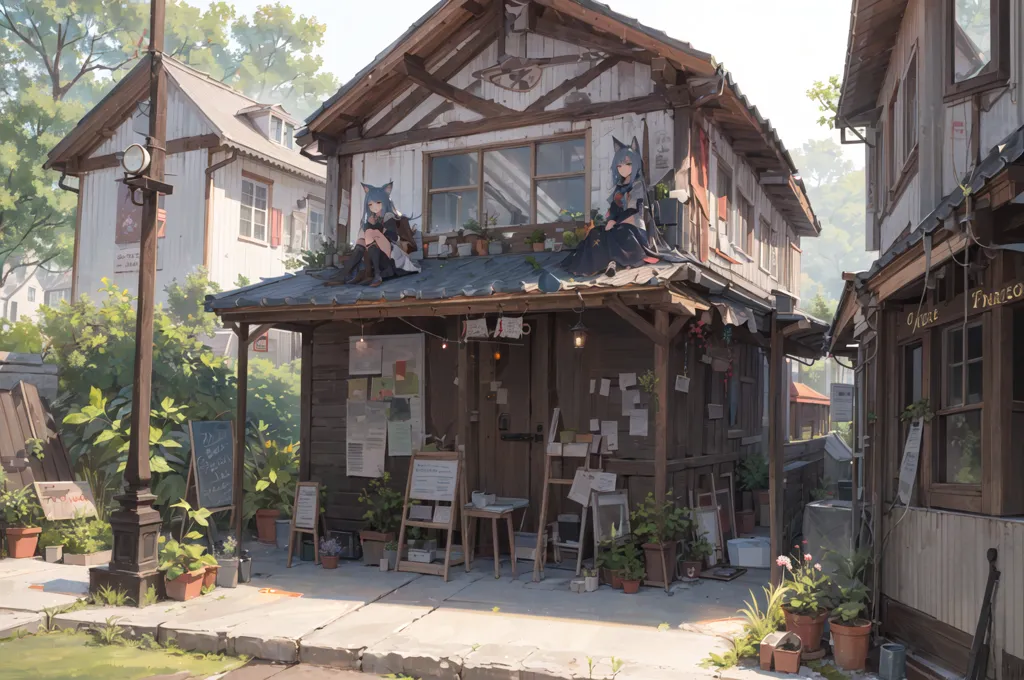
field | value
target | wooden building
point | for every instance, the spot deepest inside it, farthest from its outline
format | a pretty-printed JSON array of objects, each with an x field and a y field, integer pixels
[
  {"x": 937, "y": 325},
  {"x": 808, "y": 412},
  {"x": 503, "y": 112}
]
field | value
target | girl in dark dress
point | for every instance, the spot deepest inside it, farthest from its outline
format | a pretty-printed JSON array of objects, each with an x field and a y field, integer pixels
[
  {"x": 378, "y": 241},
  {"x": 623, "y": 241}
]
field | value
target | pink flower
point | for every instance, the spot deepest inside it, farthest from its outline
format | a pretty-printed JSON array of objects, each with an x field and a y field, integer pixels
[
  {"x": 807, "y": 557},
  {"x": 817, "y": 566},
  {"x": 804, "y": 541},
  {"x": 784, "y": 561}
]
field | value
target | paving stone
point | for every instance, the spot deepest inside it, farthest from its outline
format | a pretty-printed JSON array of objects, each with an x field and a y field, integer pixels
[
  {"x": 340, "y": 644},
  {"x": 256, "y": 670},
  {"x": 11, "y": 622}
]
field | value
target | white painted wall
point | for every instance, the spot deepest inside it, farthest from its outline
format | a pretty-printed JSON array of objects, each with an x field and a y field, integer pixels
[{"x": 21, "y": 296}]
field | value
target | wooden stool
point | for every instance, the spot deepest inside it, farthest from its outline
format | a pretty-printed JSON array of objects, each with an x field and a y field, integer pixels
[{"x": 472, "y": 514}]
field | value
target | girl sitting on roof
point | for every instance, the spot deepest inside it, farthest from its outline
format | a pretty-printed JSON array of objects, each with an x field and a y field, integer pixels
[
  {"x": 378, "y": 254},
  {"x": 624, "y": 241}
]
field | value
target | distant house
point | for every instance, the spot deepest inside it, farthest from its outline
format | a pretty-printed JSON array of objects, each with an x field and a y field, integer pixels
[
  {"x": 29, "y": 288},
  {"x": 245, "y": 199},
  {"x": 808, "y": 411}
]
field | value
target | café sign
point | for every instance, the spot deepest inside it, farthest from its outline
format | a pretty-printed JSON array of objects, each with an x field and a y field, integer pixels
[{"x": 979, "y": 300}]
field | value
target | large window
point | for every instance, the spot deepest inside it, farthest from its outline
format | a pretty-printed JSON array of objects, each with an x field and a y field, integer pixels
[
  {"x": 977, "y": 45},
  {"x": 526, "y": 184},
  {"x": 253, "y": 209},
  {"x": 913, "y": 382},
  {"x": 723, "y": 189},
  {"x": 910, "y": 108},
  {"x": 766, "y": 245},
  {"x": 892, "y": 171},
  {"x": 316, "y": 226},
  {"x": 745, "y": 217},
  {"x": 959, "y": 453}
]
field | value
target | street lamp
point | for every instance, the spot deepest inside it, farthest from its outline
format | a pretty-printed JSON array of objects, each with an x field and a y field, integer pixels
[{"x": 135, "y": 160}]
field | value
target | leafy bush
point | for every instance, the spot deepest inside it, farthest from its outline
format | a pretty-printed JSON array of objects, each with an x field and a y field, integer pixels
[
  {"x": 752, "y": 474},
  {"x": 270, "y": 478},
  {"x": 83, "y": 537},
  {"x": 383, "y": 505},
  {"x": 21, "y": 336},
  {"x": 661, "y": 523},
  {"x": 178, "y": 558},
  {"x": 19, "y": 506}
]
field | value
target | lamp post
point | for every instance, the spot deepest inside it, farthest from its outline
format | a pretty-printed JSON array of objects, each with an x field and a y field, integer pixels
[{"x": 136, "y": 524}]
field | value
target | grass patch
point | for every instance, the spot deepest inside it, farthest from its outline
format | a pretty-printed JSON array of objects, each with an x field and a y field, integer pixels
[{"x": 60, "y": 656}]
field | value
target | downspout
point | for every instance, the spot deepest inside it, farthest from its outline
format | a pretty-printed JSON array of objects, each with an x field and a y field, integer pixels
[
  {"x": 78, "y": 227},
  {"x": 210, "y": 169}
]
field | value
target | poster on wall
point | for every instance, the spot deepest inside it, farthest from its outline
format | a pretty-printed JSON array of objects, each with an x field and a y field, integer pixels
[
  {"x": 393, "y": 367},
  {"x": 128, "y": 231}
]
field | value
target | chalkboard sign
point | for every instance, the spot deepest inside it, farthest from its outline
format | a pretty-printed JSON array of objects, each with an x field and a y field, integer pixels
[{"x": 213, "y": 461}]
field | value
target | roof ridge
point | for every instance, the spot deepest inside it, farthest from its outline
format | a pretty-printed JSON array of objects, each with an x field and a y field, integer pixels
[{"x": 219, "y": 83}]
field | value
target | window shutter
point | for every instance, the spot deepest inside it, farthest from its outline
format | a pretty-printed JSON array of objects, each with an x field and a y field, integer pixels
[{"x": 276, "y": 219}]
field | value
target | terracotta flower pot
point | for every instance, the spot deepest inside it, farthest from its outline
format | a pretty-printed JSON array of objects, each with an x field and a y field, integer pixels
[
  {"x": 373, "y": 545},
  {"x": 210, "y": 577},
  {"x": 329, "y": 561},
  {"x": 630, "y": 587},
  {"x": 265, "y": 527},
  {"x": 538, "y": 247},
  {"x": 186, "y": 587},
  {"x": 658, "y": 557},
  {"x": 22, "y": 541},
  {"x": 616, "y": 579},
  {"x": 745, "y": 521},
  {"x": 480, "y": 246},
  {"x": 692, "y": 568},
  {"x": 851, "y": 645},
  {"x": 787, "y": 661},
  {"x": 807, "y": 628}
]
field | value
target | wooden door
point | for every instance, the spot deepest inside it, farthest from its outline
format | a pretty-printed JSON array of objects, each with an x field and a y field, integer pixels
[{"x": 511, "y": 462}]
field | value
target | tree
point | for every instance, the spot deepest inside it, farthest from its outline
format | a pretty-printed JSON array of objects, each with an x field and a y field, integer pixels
[{"x": 827, "y": 97}]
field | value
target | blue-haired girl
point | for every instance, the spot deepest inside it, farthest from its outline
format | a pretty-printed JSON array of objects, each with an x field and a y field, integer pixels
[{"x": 378, "y": 241}]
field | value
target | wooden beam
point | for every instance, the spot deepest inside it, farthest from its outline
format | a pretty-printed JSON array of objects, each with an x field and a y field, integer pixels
[
  {"x": 580, "y": 81},
  {"x": 175, "y": 146},
  {"x": 659, "y": 337},
  {"x": 637, "y": 105},
  {"x": 910, "y": 266},
  {"x": 416, "y": 72},
  {"x": 258, "y": 332},
  {"x": 677, "y": 326},
  {"x": 432, "y": 115},
  {"x": 776, "y": 453},
  {"x": 661, "y": 434},
  {"x": 455, "y": 63},
  {"x": 662, "y": 71},
  {"x": 794, "y": 328},
  {"x": 242, "y": 383},
  {"x": 578, "y": 35},
  {"x": 306, "y": 406}
]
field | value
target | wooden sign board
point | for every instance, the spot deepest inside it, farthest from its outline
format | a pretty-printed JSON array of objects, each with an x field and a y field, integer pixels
[
  {"x": 434, "y": 476},
  {"x": 213, "y": 462},
  {"x": 66, "y": 500},
  {"x": 305, "y": 516},
  {"x": 434, "y": 480}
]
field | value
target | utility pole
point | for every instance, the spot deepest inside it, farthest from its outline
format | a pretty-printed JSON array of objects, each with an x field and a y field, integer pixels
[{"x": 136, "y": 524}]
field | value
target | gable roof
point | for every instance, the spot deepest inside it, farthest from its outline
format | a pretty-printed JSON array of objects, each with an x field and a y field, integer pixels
[
  {"x": 220, "y": 104},
  {"x": 803, "y": 394},
  {"x": 874, "y": 27},
  {"x": 450, "y": 22}
]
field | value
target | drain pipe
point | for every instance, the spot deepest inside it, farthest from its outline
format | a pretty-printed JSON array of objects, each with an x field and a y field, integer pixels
[
  {"x": 66, "y": 187},
  {"x": 209, "y": 190}
]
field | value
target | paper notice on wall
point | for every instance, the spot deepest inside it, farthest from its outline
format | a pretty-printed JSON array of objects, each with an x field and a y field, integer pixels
[
  {"x": 421, "y": 513},
  {"x": 610, "y": 434},
  {"x": 357, "y": 389},
  {"x": 627, "y": 380},
  {"x": 359, "y": 462},
  {"x": 586, "y": 481},
  {"x": 682, "y": 383},
  {"x": 364, "y": 356},
  {"x": 593, "y": 383},
  {"x": 595, "y": 444},
  {"x": 638, "y": 422},
  {"x": 376, "y": 431},
  {"x": 495, "y": 384},
  {"x": 399, "y": 438},
  {"x": 606, "y": 387},
  {"x": 911, "y": 455},
  {"x": 595, "y": 425},
  {"x": 442, "y": 514},
  {"x": 416, "y": 422},
  {"x": 630, "y": 399},
  {"x": 400, "y": 348},
  {"x": 502, "y": 395}
]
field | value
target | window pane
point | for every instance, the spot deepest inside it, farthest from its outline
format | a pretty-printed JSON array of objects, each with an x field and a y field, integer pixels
[
  {"x": 245, "y": 225},
  {"x": 554, "y": 158},
  {"x": 955, "y": 340},
  {"x": 974, "y": 342},
  {"x": 261, "y": 197},
  {"x": 246, "y": 192},
  {"x": 450, "y": 210},
  {"x": 972, "y": 38},
  {"x": 275, "y": 129},
  {"x": 974, "y": 382},
  {"x": 912, "y": 357},
  {"x": 507, "y": 186},
  {"x": 960, "y": 458},
  {"x": 556, "y": 195},
  {"x": 453, "y": 171}
]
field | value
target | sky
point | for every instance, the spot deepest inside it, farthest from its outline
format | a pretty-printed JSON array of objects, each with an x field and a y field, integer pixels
[{"x": 775, "y": 49}]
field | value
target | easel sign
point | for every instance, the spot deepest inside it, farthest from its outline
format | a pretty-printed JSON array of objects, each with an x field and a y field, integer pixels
[
  {"x": 213, "y": 463},
  {"x": 305, "y": 516},
  {"x": 434, "y": 476}
]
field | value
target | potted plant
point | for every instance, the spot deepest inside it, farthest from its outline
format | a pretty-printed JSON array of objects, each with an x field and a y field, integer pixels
[
  {"x": 850, "y": 622},
  {"x": 659, "y": 527},
  {"x": 269, "y": 481},
  {"x": 482, "y": 230},
  {"x": 87, "y": 542},
  {"x": 752, "y": 479},
  {"x": 391, "y": 554},
  {"x": 227, "y": 574},
  {"x": 695, "y": 555},
  {"x": 610, "y": 560},
  {"x": 807, "y": 600},
  {"x": 570, "y": 240},
  {"x": 383, "y": 517},
  {"x": 591, "y": 581},
  {"x": 632, "y": 573},
  {"x": 536, "y": 239},
  {"x": 330, "y": 551},
  {"x": 184, "y": 566},
  {"x": 21, "y": 514},
  {"x": 51, "y": 542},
  {"x": 787, "y": 656},
  {"x": 206, "y": 563}
]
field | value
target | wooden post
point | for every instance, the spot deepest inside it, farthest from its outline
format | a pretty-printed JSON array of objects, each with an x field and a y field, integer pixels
[
  {"x": 661, "y": 415},
  {"x": 243, "y": 385},
  {"x": 306, "y": 406},
  {"x": 776, "y": 455}
]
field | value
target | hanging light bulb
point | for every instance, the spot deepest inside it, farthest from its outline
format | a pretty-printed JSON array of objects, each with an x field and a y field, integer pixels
[
  {"x": 579, "y": 335},
  {"x": 361, "y": 340},
  {"x": 497, "y": 355},
  {"x": 444, "y": 344}
]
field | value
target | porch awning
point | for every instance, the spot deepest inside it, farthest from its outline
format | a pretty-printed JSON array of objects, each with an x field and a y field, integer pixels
[{"x": 735, "y": 314}]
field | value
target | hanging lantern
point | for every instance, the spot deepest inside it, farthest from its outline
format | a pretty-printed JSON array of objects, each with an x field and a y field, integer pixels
[
  {"x": 579, "y": 335},
  {"x": 497, "y": 355}
]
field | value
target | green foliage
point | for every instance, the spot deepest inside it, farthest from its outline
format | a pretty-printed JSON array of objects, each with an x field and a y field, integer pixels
[
  {"x": 51, "y": 613},
  {"x": 852, "y": 605},
  {"x": 109, "y": 633},
  {"x": 808, "y": 590},
  {"x": 270, "y": 478},
  {"x": 21, "y": 336},
  {"x": 532, "y": 261},
  {"x": 20, "y": 507},
  {"x": 105, "y": 596},
  {"x": 241, "y": 281},
  {"x": 826, "y": 94},
  {"x": 570, "y": 239},
  {"x": 150, "y": 598},
  {"x": 314, "y": 259},
  {"x": 185, "y": 302},
  {"x": 752, "y": 473},
  {"x": 662, "y": 523},
  {"x": 919, "y": 409},
  {"x": 274, "y": 396},
  {"x": 824, "y": 489},
  {"x": 536, "y": 236},
  {"x": 383, "y": 505},
  {"x": 177, "y": 558},
  {"x": 698, "y": 549},
  {"x": 617, "y": 554},
  {"x": 759, "y": 623},
  {"x": 82, "y": 536},
  {"x": 648, "y": 382}
]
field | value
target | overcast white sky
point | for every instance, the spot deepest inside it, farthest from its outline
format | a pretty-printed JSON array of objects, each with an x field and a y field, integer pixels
[{"x": 775, "y": 49}]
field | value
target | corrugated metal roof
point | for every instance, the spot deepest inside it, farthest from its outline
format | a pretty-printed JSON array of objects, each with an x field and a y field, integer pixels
[
  {"x": 441, "y": 279},
  {"x": 805, "y": 394}
]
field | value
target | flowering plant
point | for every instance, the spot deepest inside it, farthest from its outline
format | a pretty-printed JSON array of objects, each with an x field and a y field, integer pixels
[
  {"x": 809, "y": 591},
  {"x": 700, "y": 332},
  {"x": 330, "y": 547}
]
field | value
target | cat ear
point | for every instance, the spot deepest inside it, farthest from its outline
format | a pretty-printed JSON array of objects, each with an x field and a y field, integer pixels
[
  {"x": 617, "y": 145},
  {"x": 387, "y": 187},
  {"x": 366, "y": 187},
  {"x": 635, "y": 145}
]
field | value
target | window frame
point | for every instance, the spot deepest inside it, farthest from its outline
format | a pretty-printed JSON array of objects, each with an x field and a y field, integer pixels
[
  {"x": 31, "y": 294},
  {"x": 724, "y": 169},
  {"x": 764, "y": 260},
  {"x": 480, "y": 152},
  {"x": 910, "y": 114},
  {"x": 946, "y": 412},
  {"x": 894, "y": 164},
  {"x": 745, "y": 224},
  {"x": 997, "y": 72},
  {"x": 319, "y": 209},
  {"x": 12, "y": 311},
  {"x": 267, "y": 184},
  {"x": 276, "y": 135},
  {"x": 288, "y": 132}
]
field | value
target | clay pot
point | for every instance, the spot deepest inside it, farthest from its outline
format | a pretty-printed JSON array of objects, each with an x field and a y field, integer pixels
[
  {"x": 538, "y": 247},
  {"x": 787, "y": 661},
  {"x": 373, "y": 545},
  {"x": 22, "y": 541},
  {"x": 616, "y": 579},
  {"x": 480, "y": 246},
  {"x": 186, "y": 587},
  {"x": 745, "y": 521},
  {"x": 210, "y": 577},
  {"x": 329, "y": 561},
  {"x": 655, "y": 564},
  {"x": 851, "y": 645},
  {"x": 807, "y": 628},
  {"x": 692, "y": 568},
  {"x": 265, "y": 525},
  {"x": 631, "y": 587}
]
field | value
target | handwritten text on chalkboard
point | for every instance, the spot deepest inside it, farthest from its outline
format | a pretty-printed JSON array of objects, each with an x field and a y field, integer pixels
[{"x": 213, "y": 453}]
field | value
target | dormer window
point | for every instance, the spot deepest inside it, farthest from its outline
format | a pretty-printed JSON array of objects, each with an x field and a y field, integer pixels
[{"x": 282, "y": 132}]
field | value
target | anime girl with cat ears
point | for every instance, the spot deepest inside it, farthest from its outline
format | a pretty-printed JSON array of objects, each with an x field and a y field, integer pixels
[{"x": 378, "y": 244}]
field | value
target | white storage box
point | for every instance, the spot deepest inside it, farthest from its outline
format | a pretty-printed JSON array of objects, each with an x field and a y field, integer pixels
[
  {"x": 750, "y": 552},
  {"x": 418, "y": 555}
]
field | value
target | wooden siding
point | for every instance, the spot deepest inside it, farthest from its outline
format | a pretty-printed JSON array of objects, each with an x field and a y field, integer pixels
[{"x": 935, "y": 562}]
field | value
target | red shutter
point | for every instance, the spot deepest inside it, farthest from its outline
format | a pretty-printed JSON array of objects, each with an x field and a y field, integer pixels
[{"x": 276, "y": 220}]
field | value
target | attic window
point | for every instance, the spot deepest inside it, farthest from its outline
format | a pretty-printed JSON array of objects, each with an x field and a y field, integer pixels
[{"x": 282, "y": 132}]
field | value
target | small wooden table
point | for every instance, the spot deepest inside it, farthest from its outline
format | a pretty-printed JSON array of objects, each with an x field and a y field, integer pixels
[{"x": 502, "y": 508}]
